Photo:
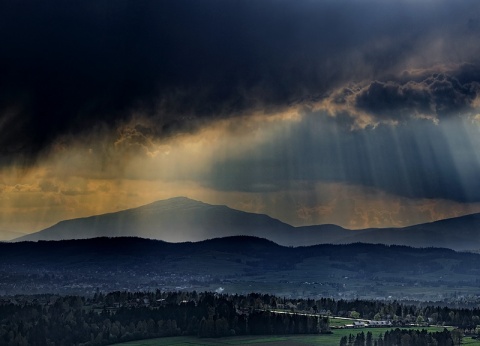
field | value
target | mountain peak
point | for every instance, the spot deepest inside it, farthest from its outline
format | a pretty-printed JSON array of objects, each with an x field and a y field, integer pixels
[
  {"x": 177, "y": 219},
  {"x": 172, "y": 204},
  {"x": 178, "y": 199}
]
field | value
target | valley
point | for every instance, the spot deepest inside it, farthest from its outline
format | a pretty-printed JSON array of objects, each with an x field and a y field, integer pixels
[{"x": 239, "y": 265}]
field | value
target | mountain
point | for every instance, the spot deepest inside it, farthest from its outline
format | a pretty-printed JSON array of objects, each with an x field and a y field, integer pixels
[
  {"x": 174, "y": 220},
  {"x": 237, "y": 264},
  {"x": 459, "y": 233},
  {"x": 182, "y": 219}
]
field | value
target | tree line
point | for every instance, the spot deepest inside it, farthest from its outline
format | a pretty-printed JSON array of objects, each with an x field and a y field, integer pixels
[
  {"x": 123, "y": 316},
  {"x": 404, "y": 337},
  {"x": 401, "y": 313}
]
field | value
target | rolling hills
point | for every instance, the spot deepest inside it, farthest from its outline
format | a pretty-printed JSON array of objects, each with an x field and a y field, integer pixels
[{"x": 237, "y": 264}]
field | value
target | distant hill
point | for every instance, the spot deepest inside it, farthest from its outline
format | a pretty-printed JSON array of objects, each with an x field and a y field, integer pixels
[
  {"x": 182, "y": 219},
  {"x": 460, "y": 233},
  {"x": 237, "y": 264}
]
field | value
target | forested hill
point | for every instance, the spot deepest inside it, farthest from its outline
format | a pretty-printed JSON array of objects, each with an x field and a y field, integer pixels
[
  {"x": 237, "y": 264},
  {"x": 128, "y": 250}
]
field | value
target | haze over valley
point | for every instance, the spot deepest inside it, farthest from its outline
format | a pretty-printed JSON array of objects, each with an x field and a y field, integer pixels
[{"x": 239, "y": 265}]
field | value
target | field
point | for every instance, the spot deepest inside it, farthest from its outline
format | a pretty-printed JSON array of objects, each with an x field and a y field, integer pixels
[{"x": 294, "y": 340}]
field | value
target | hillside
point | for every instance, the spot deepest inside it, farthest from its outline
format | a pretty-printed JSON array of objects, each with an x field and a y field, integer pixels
[{"x": 460, "y": 233}]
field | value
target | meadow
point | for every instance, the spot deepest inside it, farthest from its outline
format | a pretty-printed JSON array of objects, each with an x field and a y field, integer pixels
[{"x": 280, "y": 340}]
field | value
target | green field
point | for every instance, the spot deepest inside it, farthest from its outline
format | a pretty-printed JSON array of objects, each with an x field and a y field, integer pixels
[
  {"x": 339, "y": 322},
  {"x": 294, "y": 340}
]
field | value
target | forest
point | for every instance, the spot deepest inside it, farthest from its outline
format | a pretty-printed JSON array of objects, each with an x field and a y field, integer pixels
[
  {"x": 122, "y": 316},
  {"x": 403, "y": 337},
  {"x": 108, "y": 318}
]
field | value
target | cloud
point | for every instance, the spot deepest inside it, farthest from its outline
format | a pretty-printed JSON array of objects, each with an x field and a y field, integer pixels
[
  {"x": 71, "y": 69},
  {"x": 48, "y": 186},
  {"x": 411, "y": 95}
]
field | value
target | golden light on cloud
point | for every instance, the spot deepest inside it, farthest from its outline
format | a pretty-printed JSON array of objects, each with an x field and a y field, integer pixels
[{"x": 128, "y": 167}]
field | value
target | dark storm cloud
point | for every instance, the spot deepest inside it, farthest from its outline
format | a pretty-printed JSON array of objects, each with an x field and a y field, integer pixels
[
  {"x": 67, "y": 67},
  {"x": 438, "y": 95}
]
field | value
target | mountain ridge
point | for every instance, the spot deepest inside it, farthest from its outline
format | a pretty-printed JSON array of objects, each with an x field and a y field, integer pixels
[{"x": 181, "y": 219}]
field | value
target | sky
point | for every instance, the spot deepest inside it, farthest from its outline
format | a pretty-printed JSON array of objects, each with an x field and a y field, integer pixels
[{"x": 360, "y": 113}]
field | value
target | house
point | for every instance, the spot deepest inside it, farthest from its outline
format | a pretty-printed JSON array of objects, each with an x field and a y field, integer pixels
[
  {"x": 383, "y": 323},
  {"x": 356, "y": 324}
]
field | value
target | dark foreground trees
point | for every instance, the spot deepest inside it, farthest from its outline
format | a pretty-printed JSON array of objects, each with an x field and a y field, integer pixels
[
  {"x": 405, "y": 337},
  {"x": 122, "y": 316}
]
